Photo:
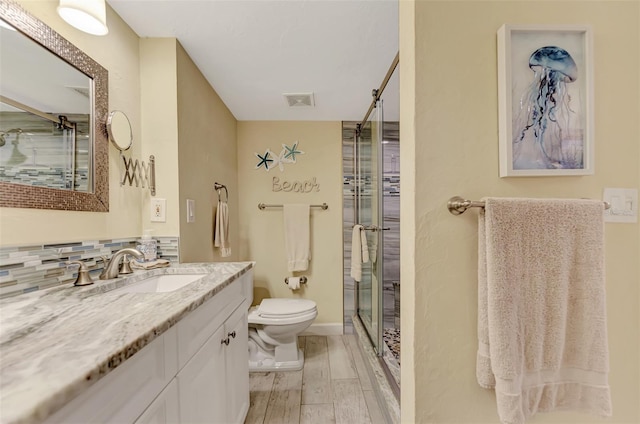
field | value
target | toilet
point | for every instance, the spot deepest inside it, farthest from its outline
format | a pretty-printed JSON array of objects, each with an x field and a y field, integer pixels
[{"x": 274, "y": 326}]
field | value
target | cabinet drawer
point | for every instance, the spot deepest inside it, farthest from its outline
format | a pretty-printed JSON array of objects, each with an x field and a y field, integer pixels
[
  {"x": 199, "y": 325},
  {"x": 123, "y": 394}
]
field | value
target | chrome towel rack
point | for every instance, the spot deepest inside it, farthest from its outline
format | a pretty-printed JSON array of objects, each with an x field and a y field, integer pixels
[
  {"x": 263, "y": 206},
  {"x": 457, "y": 205}
]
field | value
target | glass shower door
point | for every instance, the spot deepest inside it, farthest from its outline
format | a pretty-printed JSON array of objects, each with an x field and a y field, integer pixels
[{"x": 368, "y": 178}]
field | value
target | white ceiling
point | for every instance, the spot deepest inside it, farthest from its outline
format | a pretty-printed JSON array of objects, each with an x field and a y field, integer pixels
[{"x": 252, "y": 52}]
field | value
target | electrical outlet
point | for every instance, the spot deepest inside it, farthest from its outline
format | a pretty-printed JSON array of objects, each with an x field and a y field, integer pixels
[
  {"x": 191, "y": 210},
  {"x": 158, "y": 210}
]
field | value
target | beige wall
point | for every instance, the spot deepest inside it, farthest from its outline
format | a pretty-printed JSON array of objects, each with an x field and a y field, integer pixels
[
  {"x": 118, "y": 53},
  {"x": 261, "y": 232},
  {"x": 207, "y": 153},
  {"x": 158, "y": 70},
  {"x": 451, "y": 129},
  {"x": 192, "y": 135}
]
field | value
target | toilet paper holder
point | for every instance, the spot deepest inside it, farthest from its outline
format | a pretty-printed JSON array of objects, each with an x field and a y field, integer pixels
[{"x": 303, "y": 280}]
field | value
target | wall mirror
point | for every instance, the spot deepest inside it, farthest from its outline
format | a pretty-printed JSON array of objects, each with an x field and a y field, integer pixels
[{"x": 53, "y": 112}]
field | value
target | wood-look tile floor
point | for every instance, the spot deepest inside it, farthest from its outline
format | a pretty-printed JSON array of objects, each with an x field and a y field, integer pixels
[{"x": 333, "y": 387}]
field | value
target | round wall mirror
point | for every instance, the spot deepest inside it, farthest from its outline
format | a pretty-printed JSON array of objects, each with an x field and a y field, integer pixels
[{"x": 119, "y": 129}]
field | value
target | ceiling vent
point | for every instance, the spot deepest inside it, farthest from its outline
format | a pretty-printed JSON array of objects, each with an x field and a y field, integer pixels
[{"x": 299, "y": 99}]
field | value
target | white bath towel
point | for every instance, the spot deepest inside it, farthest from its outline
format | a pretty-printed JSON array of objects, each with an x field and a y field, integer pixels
[
  {"x": 359, "y": 251},
  {"x": 541, "y": 308},
  {"x": 221, "y": 229},
  {"x": 296, "y": 236}
]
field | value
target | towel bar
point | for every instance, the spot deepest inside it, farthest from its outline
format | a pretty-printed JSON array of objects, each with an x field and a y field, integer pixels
[
  {"x": 263, "y": 206},
  {"x": 457, "y": 205},
  {"x": 373, "y": 228}
]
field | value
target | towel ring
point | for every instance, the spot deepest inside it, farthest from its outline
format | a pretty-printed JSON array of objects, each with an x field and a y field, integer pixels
[{"x": 219, "y": 187}]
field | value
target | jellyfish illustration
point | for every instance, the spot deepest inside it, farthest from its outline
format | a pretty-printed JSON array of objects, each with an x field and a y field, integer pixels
[{"x": 547, "y": 131}]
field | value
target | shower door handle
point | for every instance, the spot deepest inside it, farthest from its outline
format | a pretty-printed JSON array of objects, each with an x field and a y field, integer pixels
[{"x": 375, "y": 228}]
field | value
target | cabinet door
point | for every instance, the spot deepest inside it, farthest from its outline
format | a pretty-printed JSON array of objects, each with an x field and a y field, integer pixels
[
  {"x": 196, "y": 328},
  {"x": 164, "y": 409},
  {"x": 237, "y": 359},
  {"x": 201, "y": 383}
]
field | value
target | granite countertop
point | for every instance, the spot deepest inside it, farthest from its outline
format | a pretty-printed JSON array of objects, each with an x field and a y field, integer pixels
[{"x": 55, "y": 343}]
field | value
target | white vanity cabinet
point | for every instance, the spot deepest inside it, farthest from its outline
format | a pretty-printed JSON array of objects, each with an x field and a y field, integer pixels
[
  {"x": 196, "y": 372},
  {"x": 214, "y": 385},
  {"x": 213, "y": 382},
  {"x": 123, "y": 394}
]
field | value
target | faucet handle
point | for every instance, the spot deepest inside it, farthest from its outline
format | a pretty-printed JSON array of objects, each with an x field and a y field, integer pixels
[
  {"x": 84, "y": 278},
  {"x": 125, "y": 268}
]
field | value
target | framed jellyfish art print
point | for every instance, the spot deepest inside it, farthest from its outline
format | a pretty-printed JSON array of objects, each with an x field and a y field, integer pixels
[{"x": 545, "y": 90}]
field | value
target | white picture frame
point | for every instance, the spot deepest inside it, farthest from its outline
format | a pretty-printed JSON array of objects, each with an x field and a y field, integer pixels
[{"x": 545, "y": 98}]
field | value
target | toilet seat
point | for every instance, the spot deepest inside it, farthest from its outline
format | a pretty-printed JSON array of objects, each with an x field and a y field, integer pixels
[
  {"x": 279, "y": 308},
  {"x": 283, "y": 311}
]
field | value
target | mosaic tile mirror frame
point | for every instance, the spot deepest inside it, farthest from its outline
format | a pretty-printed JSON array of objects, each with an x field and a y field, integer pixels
[{"x": 96, "y": 197}]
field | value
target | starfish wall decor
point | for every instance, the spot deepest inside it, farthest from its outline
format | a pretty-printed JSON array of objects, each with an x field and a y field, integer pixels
[{"x": 270, "y": 160}]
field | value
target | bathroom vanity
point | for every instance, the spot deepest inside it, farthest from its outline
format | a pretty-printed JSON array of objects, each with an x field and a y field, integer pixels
[{"x": 108, "y": 353}]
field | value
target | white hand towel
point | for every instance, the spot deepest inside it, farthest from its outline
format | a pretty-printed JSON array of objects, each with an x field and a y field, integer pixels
[
  {"x": 157, "y": 263},
  {"x": 221, "y": 229},
  {"x": 296, "y": 236},
  {"x": 359, "y": 251},
  {"x": 541, "y": 309}
]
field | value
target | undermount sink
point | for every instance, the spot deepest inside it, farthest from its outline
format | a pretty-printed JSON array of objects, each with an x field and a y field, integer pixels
[{"x": 160, "y": 283}]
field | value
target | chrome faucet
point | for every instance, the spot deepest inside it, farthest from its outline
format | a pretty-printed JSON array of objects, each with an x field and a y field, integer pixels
[{"x": 111, "y": 268}]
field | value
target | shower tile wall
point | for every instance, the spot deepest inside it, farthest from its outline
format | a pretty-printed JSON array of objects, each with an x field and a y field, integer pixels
[
  {"x": 36, "y": 152},
  {"x": 391, "y": 198}
]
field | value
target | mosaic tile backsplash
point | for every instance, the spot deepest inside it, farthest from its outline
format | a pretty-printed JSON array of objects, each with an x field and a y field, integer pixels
[{"x": 25, "y": 269}]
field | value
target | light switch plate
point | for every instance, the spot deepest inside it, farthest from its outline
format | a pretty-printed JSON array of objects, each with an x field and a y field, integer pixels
[
  {"x": 624, "y": 205},
  {"x": 191, "y": 210},
  {"x": 158, "y": 210}
]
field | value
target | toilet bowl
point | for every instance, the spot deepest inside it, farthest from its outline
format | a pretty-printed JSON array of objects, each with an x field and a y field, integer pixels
[{"x": 274, "y": 326}]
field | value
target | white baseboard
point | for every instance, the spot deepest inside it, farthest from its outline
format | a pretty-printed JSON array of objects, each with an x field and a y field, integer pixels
[{"x": 334, "y": 329}]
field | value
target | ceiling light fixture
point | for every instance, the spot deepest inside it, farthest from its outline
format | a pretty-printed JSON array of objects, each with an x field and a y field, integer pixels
[{"x": 89, "y": 16}]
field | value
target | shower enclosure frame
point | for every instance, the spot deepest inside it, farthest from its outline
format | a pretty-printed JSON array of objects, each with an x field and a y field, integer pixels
[{"x": 374, "y": 227}]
